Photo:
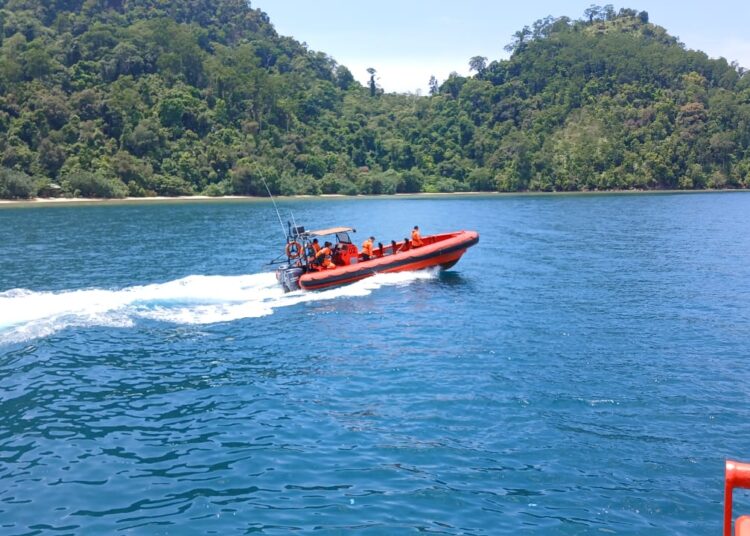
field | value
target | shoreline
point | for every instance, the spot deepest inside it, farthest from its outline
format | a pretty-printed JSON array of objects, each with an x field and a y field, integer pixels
[{"x": 62, "y": 201}]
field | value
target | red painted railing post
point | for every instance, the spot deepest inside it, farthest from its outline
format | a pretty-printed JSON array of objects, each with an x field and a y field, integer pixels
[{"x": 737, "y": 475}]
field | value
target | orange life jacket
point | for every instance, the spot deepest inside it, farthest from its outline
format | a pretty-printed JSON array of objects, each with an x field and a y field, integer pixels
[
  {"x": 367, "y": 247},
  {"x": 416, "y": 240}
]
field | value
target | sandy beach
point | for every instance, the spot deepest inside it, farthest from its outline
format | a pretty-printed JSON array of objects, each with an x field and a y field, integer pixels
[
  {"x": 98, "y": 200},
  {"x": 53, "y": 201}
]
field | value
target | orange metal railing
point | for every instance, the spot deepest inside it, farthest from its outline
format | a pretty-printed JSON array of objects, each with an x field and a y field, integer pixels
[{"x": 737, "y": 475}]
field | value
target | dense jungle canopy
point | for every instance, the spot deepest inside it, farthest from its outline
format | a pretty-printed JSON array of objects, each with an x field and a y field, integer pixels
[{"x": 108, "y": 98}]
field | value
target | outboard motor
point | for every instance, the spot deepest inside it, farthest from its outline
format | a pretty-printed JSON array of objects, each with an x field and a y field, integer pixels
[{"x": 289, "y": 277}]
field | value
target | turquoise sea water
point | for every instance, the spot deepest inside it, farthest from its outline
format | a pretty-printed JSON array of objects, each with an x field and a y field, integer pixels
[{"x": 582, "y": 370}]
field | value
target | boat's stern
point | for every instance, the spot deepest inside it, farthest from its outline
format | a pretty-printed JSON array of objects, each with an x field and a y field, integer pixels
[{"x": 288, "y": 277}]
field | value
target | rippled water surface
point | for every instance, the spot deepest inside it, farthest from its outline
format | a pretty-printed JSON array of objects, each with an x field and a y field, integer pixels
[{"x": 582, "y": 370}]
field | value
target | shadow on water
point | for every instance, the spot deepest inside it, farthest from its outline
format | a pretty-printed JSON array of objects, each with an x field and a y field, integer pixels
[{"x": 450, "y": 278}]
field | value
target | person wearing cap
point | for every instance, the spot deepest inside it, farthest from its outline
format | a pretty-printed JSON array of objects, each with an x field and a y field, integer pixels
[{"x": 367, "y": 248}]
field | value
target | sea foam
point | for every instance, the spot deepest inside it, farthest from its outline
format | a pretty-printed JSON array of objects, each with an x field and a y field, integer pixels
[{"x": 196, "y": 299}]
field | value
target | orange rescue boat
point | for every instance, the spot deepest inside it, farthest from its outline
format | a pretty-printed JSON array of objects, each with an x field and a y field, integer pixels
[{"x": 299, "y": 271}]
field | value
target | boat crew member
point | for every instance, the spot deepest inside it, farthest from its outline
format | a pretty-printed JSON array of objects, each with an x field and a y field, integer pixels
[
  {"x": 380, "y": 249},
  {"x": 324, "y": 257},
  {"x": 405, "y": 246},
  {"x": 312, "y": 249},
  {"x": 394, "y": 247},
  {"x": 367, "y": 248},
  {"x": 416, "y": 238}
]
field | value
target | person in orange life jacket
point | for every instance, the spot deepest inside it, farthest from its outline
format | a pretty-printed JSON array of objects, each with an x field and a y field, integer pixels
[
  {"x": 324, "y": 257},
  {"x": 405, "y": 246},
  {"x": 416, "y": 238},
  {"x": 367, "y": 248},
  {"x": 312, "y": 249}
]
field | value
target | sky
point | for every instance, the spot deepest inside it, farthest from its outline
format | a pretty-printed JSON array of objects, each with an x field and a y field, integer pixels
[{"x": 407, "y": 41}]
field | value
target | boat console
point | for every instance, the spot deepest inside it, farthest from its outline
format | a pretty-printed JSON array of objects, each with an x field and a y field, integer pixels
[{"x": 345, "y": 254}]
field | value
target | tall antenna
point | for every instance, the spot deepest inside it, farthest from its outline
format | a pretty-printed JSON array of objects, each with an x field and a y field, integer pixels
[
  {"x": 294, "y": 222},
  {"x": 283, "y": 230}
]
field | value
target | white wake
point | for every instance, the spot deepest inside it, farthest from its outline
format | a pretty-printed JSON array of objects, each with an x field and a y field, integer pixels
[{"x": 196, "y": 299}]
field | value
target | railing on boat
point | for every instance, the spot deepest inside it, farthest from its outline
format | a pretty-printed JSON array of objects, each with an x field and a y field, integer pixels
[{"x": 737, "y": 475}]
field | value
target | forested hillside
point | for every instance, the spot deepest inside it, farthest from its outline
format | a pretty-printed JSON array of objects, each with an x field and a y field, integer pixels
[{"x": 108, "y": 98}]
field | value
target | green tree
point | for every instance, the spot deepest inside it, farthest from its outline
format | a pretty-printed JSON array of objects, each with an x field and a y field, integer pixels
[
  {"x": 478, "y": 64},
  {"x": 373, "y": 85},
  {"x": 344, "y": 77},
  {"x": 433, "y": 85},
  {"x": 16, "y": 184},
  {"x": 81, "y": 183},
  {"x": 519, "y": 39},
  {"x": 205, "y": 96}
]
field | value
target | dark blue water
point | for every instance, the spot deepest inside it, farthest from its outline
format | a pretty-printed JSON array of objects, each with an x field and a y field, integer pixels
[{"x": 582, "y": 370}]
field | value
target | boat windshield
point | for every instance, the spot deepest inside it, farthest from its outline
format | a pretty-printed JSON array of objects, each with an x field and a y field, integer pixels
[{"x": 343, "y": 238}]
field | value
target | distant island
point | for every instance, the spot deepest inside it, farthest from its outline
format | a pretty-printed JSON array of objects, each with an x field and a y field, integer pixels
[{"x": 132, "y": 98}]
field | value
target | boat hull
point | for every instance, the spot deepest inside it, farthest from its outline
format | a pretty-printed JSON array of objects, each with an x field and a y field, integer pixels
[{"x": 439, "y": 251}]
